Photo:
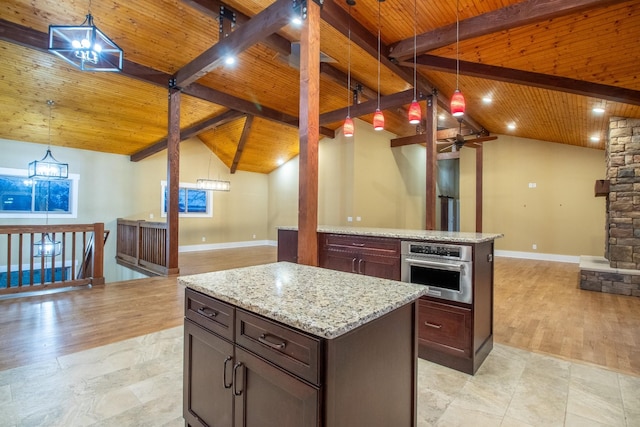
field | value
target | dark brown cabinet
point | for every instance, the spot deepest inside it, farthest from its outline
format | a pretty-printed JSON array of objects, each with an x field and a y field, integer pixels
[
  {"x": 288, "y": 245},
  {"x": 241, "y": 369},
  {"x": 371, "y": 256}
]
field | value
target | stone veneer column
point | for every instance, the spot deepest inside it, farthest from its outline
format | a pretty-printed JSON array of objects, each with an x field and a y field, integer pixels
[{"x": 623, "y": 212}]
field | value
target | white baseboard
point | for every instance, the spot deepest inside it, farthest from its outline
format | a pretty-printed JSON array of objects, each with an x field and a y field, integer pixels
[
  {"x": 538, "y": 256},
  {"x": 227, "y": 245}
]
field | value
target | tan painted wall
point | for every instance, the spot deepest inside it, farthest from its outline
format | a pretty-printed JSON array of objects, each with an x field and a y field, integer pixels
[
  {"x": 111, "y": 187},
  {"x": 560, "y": 215}
]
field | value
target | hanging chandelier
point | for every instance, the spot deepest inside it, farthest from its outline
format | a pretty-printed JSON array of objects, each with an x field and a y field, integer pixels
[
  {"x": 48, "y": 167},
  {"x": 213, "y": 184},
  {"x": 458, "y": 104},
  {"x": 415, "y": 112},
  {"x": 85, "y": 46},
  {"x": 378, "y": 117},
  {"x": 347, "y": 127}
]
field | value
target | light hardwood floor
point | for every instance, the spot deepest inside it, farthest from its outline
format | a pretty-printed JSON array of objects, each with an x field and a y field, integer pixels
[{"x": 538, "y": 307}]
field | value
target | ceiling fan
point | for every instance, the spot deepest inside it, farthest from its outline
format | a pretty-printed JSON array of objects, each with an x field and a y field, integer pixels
[{"x": 455, "y": 144}]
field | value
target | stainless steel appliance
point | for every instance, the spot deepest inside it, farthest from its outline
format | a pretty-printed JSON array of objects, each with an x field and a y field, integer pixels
[{"x": 446, "y": 269}]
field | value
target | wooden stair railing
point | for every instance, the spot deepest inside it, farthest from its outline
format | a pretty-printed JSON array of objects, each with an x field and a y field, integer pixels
[
  {"x": 142, "y": 246},
  {"x": 17, "y": 257}
]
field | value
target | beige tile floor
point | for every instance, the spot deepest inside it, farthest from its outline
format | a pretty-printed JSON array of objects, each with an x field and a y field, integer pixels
[{"x": 138, "y": 382}]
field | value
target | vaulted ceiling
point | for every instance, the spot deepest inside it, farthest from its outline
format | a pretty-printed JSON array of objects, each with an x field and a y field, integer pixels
[{"x": 544, "y": 63}]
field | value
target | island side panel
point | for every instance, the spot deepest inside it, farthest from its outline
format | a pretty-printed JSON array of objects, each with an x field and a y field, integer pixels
[
  {"x": 371, "y": 373},
  {"x": 288, "y": 245},
  {"x": 483, "y": 302}
]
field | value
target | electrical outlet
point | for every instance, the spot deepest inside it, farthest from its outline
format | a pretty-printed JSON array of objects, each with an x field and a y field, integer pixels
[
  {"x": 534, "y": 246},
  {"x": 150, "y": 216},
  {"x": 532, "y": 185},
  {"x": 204, "y": 239},
  {"x": 358, "y": 218},
  {"x": 254, "y": 236},
  {"x": 349, "y": 219}
]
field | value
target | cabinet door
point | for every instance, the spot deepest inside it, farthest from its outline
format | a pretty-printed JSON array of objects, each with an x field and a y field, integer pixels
[
  {"x": 445, "y": 327},
  {"x": 206, "y": 400},
  {"x": 339, "y": 260},
  {"x": 267, "y": 396},
  {"x": 379, "y": 266},
  {"x": 288, "y": 245}
]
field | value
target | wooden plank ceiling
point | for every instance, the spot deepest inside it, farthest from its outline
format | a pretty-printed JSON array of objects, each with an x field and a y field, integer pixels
[{"x": 544, "y": 63}]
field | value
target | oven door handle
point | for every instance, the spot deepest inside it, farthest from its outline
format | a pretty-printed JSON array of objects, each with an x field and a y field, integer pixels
[{"x": 435, "y": 264}]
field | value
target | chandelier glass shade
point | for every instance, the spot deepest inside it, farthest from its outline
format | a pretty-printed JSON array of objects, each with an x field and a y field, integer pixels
[
  {"x": 48, "y": 168},
  {"x": 213, "y": 184},
  {"x": 85, "y": 46},
  {"x": 47, "y": 247}
]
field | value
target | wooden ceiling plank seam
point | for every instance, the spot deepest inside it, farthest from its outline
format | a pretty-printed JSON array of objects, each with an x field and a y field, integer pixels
[
  {"x": 187, "y": 133},
  {"x": 211, "y": 8},
  {"x": 506, "y": 18},
  {"x": 241, "y": 144},
  {"x": 338, "y": 18},
  {"x": 256, "y": 29},
  {"x": 527, "y": 78}
]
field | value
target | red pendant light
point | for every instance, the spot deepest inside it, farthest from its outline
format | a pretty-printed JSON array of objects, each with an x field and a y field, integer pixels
[
  {"x": 378, "y": 120},
  {"x": 415, "y": 113},
  {"x": 457, "y": 100},
  {"x": 457, "y": 104},
  {"x": 378, "y": 117},
  {"x": 347, "y": 127}
]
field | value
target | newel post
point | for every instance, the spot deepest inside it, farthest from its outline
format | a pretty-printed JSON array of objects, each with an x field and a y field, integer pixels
[{"x": 98, "y": 254}]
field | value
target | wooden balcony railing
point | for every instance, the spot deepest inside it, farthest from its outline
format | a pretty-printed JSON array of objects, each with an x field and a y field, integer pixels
[
  {"x": 80, "y": 261},
  {"x": 142, "y": 246}
]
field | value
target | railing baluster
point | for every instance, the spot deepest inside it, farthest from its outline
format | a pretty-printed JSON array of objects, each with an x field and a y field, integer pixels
[
  {"x": 8, "y": 261},
  {"x": 20, "y": 247}
]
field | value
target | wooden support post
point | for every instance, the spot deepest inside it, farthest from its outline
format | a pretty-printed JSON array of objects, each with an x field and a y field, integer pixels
[
  {"x": 479, "y": 189},
  {"x": 309, "y": 136},
  {"x": 173, "y": 180},
  {"x": 432, "y": 163},
  {"x": 97, "y": 276}
]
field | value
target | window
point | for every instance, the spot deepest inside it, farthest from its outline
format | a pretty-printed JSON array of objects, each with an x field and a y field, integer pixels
[
  {"x": 192, "y": 202},
  {"x": 21, "y": 197}
]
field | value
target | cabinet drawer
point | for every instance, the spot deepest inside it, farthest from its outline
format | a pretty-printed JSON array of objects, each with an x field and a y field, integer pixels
[
  {"x": 445, "y": 326},
  {"x": 289, "y": 349},
  {"x": 374, "y": 245},
  {"x": 210, "y": 313}
]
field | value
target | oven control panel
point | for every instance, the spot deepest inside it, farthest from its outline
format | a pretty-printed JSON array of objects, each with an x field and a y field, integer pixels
[{"x": 459, "y": 252}]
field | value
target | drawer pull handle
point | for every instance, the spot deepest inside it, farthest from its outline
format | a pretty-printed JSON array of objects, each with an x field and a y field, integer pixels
[
  {"x": 360, "y": 245},
  {"x": 224, "y": 375},
  {"x": 235, "y": 379},
  {"x": 433, "y": 325},
  {"x": 207, "y": 312},
  {"x": 279, "y": 346}
]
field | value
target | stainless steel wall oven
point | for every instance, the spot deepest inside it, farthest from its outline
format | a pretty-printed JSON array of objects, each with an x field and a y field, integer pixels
[{"x": 445, "y": 269}]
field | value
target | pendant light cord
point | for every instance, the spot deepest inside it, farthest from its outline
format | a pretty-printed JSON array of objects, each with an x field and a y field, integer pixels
[
  {"x": 415, "y": 31},
  {"x": 457, "y": 44},
  {"x": 349, "y": 95},
  {"x": 379, "y": 1}
]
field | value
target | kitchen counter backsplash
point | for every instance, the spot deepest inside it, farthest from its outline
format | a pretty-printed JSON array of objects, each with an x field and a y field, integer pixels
[
  {"x": 398, "y": 233},
  {"x": 318, "y": 301}
]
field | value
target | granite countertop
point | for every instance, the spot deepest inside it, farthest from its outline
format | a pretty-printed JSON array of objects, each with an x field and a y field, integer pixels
[
  {"x": 398, "y": 233},
  {"x": 322, "y": 302}
]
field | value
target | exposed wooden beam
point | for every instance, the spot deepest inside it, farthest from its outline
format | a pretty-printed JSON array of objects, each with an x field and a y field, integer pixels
[
  {"x": 248, "y": 107},
  {"x": 449, "y": 155},
  {"x": 309, "y": 137},
  {"x": 368, "y": 107},
  {"x": 212, "y": 8},
  {"x": 187, "y": 133},
  {"x": 420, "y": 138},
  {"x": 265, "y": 23},
  {"x": 243, "y": 141},
  {"x": 339, "y": 19},
  {"x": 33, "y": 39},
  {"x": 431, "y": 164},
  {"x": 527, "y": 78},
  {"x": 516, "y": 15}
]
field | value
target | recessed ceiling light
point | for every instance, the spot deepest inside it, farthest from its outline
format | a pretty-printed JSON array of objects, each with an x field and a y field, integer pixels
[
  {"x": 280, "y": 162},
  {"x": 230, "y": 60},
  {"x": 487, "y": 100},
  {"x": 511, "y": 126},
  {"x": 598, "y": 110},
  {"x": 595, "y": 138}
]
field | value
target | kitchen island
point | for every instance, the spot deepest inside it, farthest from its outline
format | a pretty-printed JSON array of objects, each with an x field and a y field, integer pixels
[
  {"x": 455, "y": 326},
  {"x": 293, "y": 345}
]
